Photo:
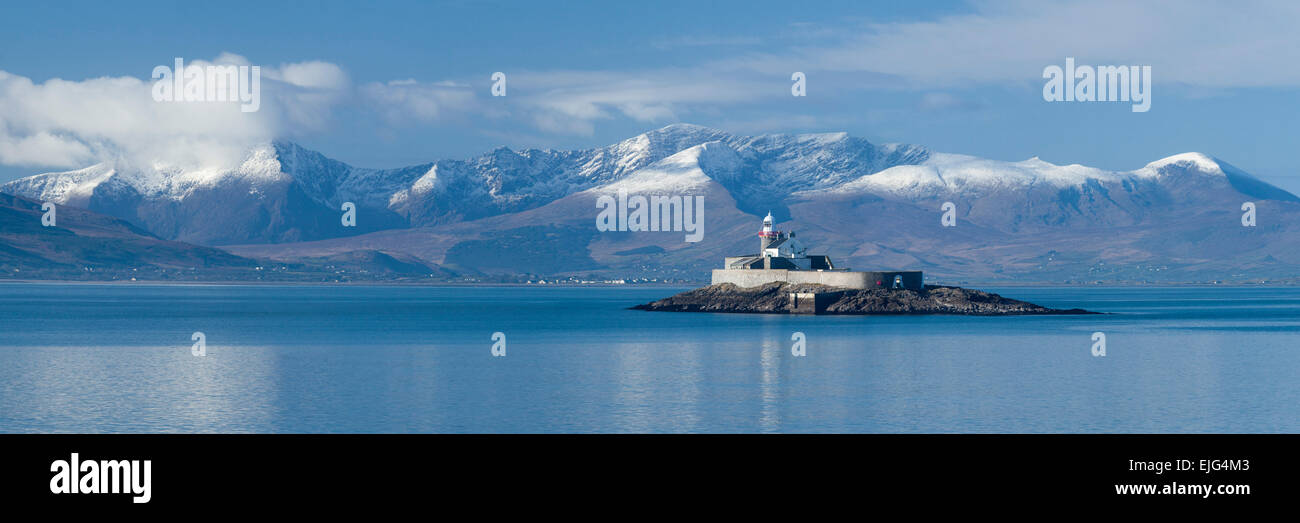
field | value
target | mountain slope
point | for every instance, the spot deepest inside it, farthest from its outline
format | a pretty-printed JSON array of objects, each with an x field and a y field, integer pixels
[
  {"x": 1176, "y": 219},
  {"x": 867, "y": 205},
  {"x": 84, "y": 241},
  {"x": 285, "y": 193}
]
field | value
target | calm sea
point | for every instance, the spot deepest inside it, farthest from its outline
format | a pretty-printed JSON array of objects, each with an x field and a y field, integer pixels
[{"x": 118, "y": 358}]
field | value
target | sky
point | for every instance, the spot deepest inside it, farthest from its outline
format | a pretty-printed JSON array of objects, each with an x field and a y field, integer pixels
[{"x": 389, "y": 84}]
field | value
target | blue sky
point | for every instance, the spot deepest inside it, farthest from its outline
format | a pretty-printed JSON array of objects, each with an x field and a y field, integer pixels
[{"x": 400, "y": 83}]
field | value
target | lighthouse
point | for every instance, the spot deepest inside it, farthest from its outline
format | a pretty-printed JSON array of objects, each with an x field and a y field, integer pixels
[
  {"x": 767, "y": 235},
  {"x": 782, "y": 258}
]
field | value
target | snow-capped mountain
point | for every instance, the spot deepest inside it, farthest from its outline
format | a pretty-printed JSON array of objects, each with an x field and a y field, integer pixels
[
  {"x": 863, "y": 203},
  {"x": 283, "y": 192}
]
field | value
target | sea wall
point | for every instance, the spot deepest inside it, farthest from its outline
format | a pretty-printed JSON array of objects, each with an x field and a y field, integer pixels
[
  {"x": 850, "y": 279},
  {"x": 812, "y": 302}
]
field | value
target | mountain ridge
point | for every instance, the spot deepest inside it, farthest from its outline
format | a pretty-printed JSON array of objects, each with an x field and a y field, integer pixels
[
  {"x": 866, "y": 204},
  {"x": 332, "y": 182}
]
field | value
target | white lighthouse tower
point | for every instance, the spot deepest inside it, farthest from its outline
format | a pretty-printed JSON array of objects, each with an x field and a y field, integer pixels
[{"x": 767, "y": 235}]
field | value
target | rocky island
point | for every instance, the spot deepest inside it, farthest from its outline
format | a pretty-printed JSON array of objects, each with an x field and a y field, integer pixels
[
  {"x": 803, "y": 298},
  {"x": 782, "y": 278}
]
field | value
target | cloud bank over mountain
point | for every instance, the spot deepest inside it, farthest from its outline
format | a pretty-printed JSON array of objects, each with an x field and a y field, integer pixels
[{"x": 63, "y": 123}]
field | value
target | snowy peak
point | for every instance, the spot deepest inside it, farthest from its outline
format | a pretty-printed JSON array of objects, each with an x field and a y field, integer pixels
[
  {"x": 706, "y": 157},
  {"x": 686, "y": 172},
  {"x": 1186, "y": 162},
  {"x": 1202, "y": 168},
  {"x": 650, "y": 147},
  {"x": 680, "y": 133},
  {"x": 76, "y": 187},
  {"x": 65, "y": 188},
  {"x": 950, "y": 175},
  {"x": 291, "y": 158}
]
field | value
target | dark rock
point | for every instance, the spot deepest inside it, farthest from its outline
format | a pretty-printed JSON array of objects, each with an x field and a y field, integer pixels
[{"x": 775, "y": 298}]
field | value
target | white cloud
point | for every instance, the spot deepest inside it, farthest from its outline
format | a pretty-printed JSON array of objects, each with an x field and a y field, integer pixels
[
  {"x": 571, "y": 101},
  {"x": 1207, "y": 47},
  {"x": 44, "y": 150},
  {"x": 1197, "y": 43},
  {"x": 1202, "y": 46},
  {"x": 314, "y": 75},
  {"x": 401, "y": 101},
  {"x": 568, "y": 102},
  {"x": 103, "y": 119},
  {"x": 61, "y": 123}
]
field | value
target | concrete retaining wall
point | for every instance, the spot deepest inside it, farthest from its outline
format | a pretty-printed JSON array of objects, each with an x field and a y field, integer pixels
[{"x": 812, "y": 302}]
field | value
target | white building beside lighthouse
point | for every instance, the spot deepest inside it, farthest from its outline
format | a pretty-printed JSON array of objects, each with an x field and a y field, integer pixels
[{"x": 782, "y": 258}]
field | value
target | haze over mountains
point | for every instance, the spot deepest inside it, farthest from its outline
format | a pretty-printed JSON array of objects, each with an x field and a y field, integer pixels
[{"x": 868, "y": 206}]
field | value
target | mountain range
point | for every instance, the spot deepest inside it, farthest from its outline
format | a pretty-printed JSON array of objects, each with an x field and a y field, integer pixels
[{"x": 869, "y": 206}]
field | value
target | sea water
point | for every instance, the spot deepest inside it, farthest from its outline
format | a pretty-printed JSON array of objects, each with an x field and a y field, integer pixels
[{"x": 122, "y": 358}]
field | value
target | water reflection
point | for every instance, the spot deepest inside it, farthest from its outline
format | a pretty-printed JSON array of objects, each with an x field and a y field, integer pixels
[
  {"x": 770, "y": 386},
  {"x": 658, "y": 387},
  {"x": 137, "y": 389}
]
